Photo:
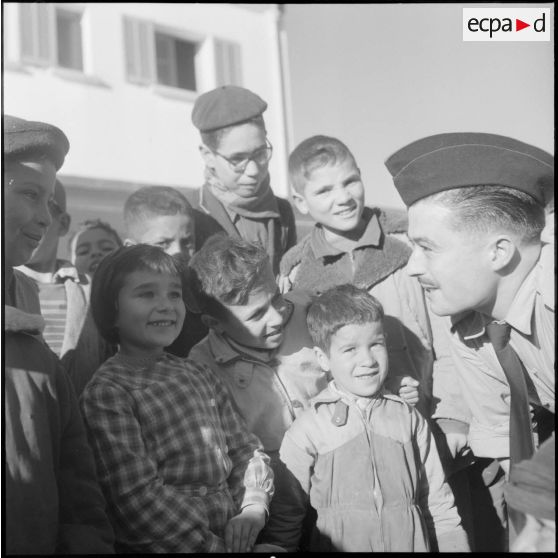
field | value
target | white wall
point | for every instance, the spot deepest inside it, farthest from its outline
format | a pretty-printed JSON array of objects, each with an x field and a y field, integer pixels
[
  {"x": 121, "y": 131},
  {"x": 379, "y": 76}
]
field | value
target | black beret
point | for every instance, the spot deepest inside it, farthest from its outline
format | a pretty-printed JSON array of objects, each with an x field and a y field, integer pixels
[
  {"x": 225, "y": 106},
  {"x": 456, "y": 160},
  {"x": 27, "y": 139}
]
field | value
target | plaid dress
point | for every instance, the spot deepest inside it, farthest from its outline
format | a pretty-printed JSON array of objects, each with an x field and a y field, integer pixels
[{"x": 174, "y": 459}]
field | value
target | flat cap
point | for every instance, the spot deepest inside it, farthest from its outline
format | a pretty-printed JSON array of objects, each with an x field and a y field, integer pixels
[
  {"x": 456, "y": 160},
  {"x": 225, "y": 106},
  {"x": 28, "y": 139}
]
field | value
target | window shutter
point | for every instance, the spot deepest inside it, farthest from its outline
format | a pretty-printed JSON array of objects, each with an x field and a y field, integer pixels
[
  {"x": 36, "y": 33},
  {"x": 139, "y": 50},
  {"x": 228, "y": 63}
]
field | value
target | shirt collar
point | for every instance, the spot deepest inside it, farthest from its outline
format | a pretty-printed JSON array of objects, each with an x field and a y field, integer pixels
[
  {"x": 370, "y": 237},
  {"x": 332, "y": 394},
  {"x": 518, "y": 316}
]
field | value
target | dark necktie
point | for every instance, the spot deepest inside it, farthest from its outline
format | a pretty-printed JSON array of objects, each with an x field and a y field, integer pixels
[{"x": 521, "y": 435}]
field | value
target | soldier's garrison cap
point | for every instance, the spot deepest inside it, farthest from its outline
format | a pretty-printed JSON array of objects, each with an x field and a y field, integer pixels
[{"x": 456, "y": 160}]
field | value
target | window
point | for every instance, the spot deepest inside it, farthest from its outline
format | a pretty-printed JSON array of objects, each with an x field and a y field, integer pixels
[
  {"x": 175, "y": 62},
  {"x": 51, "y": 36},
  {"x": 174, "y": 59},
  {"x": 68, "y": 33}
]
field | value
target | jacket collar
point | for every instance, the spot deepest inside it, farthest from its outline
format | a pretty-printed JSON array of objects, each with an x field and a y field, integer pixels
[
  {"x": 332, "y": 394},
  {"x": 370, "y": 237}
]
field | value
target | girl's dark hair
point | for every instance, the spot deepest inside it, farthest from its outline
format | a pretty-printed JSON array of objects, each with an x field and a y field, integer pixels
[{"x": 109, "y": 279}]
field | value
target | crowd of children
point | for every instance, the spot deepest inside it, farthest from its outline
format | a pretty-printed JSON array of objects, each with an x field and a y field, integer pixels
[{"x": 208, "y": 384}]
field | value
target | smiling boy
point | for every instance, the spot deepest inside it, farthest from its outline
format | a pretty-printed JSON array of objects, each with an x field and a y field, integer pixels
[
  {"x": 53, "y": 503},
  {"x": 362, "y": 457},
  {"x": 258, "y": 341},
  {"x": 348, "y": 245}
]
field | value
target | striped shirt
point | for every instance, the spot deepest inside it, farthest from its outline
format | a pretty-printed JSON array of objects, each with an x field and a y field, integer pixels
[
  {"x": 174, "y": 459},
  {"x": 54, "y": 307}
]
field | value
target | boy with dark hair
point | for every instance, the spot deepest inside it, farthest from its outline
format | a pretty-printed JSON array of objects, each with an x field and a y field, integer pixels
[
  {"x": 53, "y": 502},
  {"x": 93, "y": 240},
  {"x": 258, "y": 341},
  {"x": 349, "y": 245},
  {"x": 161, "y": 216},
  {"x": 237, "y": 197},
  {"x": 360, "y": 456}
]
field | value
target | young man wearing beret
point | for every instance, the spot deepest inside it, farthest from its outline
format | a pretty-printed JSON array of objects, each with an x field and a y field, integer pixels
[
  {"x": 476, "y": 213},
  {"x": 53, "y": 501},
  {"x": 237, "y": 196}
]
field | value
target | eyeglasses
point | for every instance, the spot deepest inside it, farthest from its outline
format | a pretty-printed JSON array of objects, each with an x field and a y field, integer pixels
[{"x": 261, "y": 156}]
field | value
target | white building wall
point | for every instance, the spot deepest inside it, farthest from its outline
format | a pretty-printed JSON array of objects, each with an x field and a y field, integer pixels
[{"x": 120, "y": 131}]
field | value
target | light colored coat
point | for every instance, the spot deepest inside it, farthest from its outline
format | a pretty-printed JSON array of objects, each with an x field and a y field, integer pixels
[{"x": 371, "y": 470}]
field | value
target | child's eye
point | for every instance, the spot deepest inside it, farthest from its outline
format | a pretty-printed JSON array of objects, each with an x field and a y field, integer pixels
[
  {"x": 175, "y": 294},
  {"x": 146, "y": 294},
  {"x": 82, "y": 251},
  {"x": 31, "y": 194},
  {"x": 348, "y": 349}
]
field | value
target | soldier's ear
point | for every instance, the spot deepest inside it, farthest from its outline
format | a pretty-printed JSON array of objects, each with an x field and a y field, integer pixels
[{"x": 503, "y": 251}]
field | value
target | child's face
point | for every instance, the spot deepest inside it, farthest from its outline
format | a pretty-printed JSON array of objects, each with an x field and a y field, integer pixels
[
  {"x": 258, "y": 323},
  {"x": 27, "y": 190},
  {"x": 173, "y": 233},
  {"x": 334, "y": 196},
  {"x": 357, "y": 358},
  {"x": 241, "y": 141},
  {"x": 90, "y": 247},
  {"x": 150, "y": 311}
]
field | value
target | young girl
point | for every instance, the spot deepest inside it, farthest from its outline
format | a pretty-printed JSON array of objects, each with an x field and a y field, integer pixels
[{"x": 179, "y": 470}]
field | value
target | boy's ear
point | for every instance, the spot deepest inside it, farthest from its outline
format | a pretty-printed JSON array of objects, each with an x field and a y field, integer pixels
[
  {"x": 64, "y": 221},
  {"x": 323, "y": 359},
  {"x": 300, "y": 203},
  {"x": 129, "y": 242},
  {"x": 211, "y": 322},
  {"x": 207, "y": 155}
]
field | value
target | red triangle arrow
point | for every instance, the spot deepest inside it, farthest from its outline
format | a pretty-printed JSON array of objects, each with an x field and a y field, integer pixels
[{"x": 519, "y": 25}]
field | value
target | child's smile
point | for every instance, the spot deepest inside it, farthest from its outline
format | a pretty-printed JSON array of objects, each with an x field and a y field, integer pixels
[{"x": 150, "y": 311}]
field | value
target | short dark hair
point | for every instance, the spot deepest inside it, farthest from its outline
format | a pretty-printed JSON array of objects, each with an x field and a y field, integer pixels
[
  {"x": 337, "y": 307},
  {"x": 213, "y": 138},
  {"x": 313, "y": 153},
  {"x": 484, "y": 208},
  {"x": 226, "y": 270},
  {"x": 94, "y": 224},
  {"x": 109, "y": 279},
  {"x": 155, "y": 200}
]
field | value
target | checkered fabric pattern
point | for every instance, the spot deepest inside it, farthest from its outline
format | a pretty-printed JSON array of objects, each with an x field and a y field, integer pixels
[{"x": 173, "y": 457}]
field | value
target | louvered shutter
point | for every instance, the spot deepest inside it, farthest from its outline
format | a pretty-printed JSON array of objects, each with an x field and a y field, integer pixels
[
  {"x": 139, "y": 50},
  {"x": 36, "y": 33},
  {"x": 228, "y": 63}
]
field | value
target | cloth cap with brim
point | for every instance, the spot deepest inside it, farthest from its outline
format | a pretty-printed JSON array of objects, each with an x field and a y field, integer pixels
[
  {"x": 532, "y": 486},
  {"x": 28, "y": 140},
  {"x": 226, "y": 106},
  {"x": 456, "y": 160}
]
